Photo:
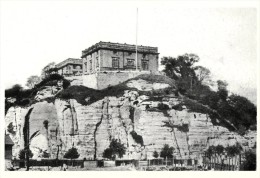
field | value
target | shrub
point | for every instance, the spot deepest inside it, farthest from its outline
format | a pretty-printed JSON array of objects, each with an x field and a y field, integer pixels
[
  {"x": 138, "y": 138},
  {"x": 155, "y": 154},
  {"x": 167, "y": 151},
  {"x": 250, "y": 162},
  {"x": 115, "y": 148},
  {"x": 52, "y": 80},
  {"x": 71, "y": 153},
  {"x": 162, "y": 106},
  {"x": 22, "y": 154},
  {"x": 10, "y": 128}
]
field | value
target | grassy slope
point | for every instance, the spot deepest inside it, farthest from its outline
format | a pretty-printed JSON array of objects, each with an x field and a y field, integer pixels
[{"x": 85, "y": 95}]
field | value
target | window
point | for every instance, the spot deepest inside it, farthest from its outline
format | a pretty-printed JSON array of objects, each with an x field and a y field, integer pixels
[
  {"x": 114, "y": 52},
  {"x": 130, "y": 62},
  {"x": 115, "y": 62},
  {"x": 86, "y": 66},
  {"x": 90, "y": 65},
  {"x": 97, "y": 62},
  {"x": 145, "y": 65}
]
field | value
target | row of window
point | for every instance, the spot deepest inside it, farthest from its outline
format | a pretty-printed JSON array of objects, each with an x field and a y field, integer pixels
[
  {"x": 130, "y": 63},
  {"x": 115, "y": 63}
]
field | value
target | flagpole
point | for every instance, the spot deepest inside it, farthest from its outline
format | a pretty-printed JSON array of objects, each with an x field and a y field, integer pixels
[{"x": 136, "y": 38}]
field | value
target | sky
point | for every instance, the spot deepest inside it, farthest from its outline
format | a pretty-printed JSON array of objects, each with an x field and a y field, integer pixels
[{"x": 35, "y": 33}]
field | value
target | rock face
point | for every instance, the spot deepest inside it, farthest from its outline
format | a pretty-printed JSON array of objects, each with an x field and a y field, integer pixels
[{"x": 56, "y": 127}]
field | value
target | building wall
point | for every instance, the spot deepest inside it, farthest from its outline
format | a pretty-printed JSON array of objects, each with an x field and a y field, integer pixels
[
  {"x": 102, "y": 61},
  {"x": 70, "y": 69},
  {"x": 103, "y": 80},
  {"x": 90, "y": 80}
]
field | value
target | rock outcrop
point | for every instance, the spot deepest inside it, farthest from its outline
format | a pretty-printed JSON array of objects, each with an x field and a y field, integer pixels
[{"x": 57, "y": 126}]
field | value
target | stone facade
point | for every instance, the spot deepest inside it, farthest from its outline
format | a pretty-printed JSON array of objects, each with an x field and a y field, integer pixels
[
  {"x": 114, "y": 59},
  {"x": 70, "y": 67}
]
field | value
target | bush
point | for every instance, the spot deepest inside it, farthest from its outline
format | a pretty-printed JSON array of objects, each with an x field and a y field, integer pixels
[
  {"x": 22, "y": 154},
  {"x": 115, "y": 148},
  {"x": 167, "y": 151},
  {"x": 71, "y": 153},
  {"x": 250, "y": 163},
  {"x": 155, "y": 154},
  {"x": 138, "y": 138},
  {"x": 162, "y": 106},
  {"x": 52, "y": 80}
]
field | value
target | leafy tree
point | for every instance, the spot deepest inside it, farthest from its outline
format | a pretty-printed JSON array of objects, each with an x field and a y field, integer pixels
[
  {"x": 115, "y": 149},
  {"x": 210, "y": 152},
  {"x": 203, "y": 75},
  {"x": 233, "y": 151},
  {"x": 167, "y": 151},
  {"x": 222, "y": 89},
  {"x": 250, "y": 161},
  {"x": 219, "y": 150},
  {"x": 181, "y": 69},
  {"x": 155, "y": 154},
  {"x": 22, "y": 154},
  {"x": 32, "y": 81},
  {"x": 71, "y": 153},
  {"x": 14, "y": 91}
]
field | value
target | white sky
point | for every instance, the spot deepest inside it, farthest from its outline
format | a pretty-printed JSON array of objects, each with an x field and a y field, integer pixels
[{"x": 36, "y": 33}]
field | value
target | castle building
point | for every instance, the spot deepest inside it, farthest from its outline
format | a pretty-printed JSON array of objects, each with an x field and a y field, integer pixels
[
  {"x": 69, "y": 67},
  {"x": 106, "y": 64}
]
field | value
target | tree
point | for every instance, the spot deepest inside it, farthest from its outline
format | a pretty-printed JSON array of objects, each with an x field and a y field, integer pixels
[
  {"x": 210, "y": 152},
  {"x": 222, "y": 89},
  {"x": 167, "y": 151},
  {"x": 22, "y": 153},
  {"x": 155, "y": 154},
  {"x": 32, "y": 81},
  {"x": 219, "y": 151},
  {"x": 181, "y": 69},
  {"x": 233, "y": 151},
  {"x": 250, "y": 161},
  {"x": 203, "y": 75},
  {"x": 116, "y": 148},
  {"x": 72, "y": 153}
]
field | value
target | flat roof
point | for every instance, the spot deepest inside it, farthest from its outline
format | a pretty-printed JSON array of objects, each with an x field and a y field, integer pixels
[
  {"x": 119, "y": 47},
  {"x": 69, "y": 61}
]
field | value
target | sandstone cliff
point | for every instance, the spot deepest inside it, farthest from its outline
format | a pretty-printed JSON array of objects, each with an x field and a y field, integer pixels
[{"x": 57, "y": 126}]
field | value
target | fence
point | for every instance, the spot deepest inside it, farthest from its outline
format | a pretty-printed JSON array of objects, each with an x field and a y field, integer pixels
[{"x": 49, "y": 162}]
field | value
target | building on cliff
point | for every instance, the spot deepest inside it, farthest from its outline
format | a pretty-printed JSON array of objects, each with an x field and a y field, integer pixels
[
  {"x": 106, "y": 64},
  {"x": 70, "y": 67}
]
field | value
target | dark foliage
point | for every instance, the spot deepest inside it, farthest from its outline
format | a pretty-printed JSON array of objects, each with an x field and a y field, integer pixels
[
  {"x": 71, "y": 153},
  {"x": 22, "y": 154},
  {"x": 250, "y": 163},
  {"x": 10, "y": 128},
  {"x": 233, "y": 112},
  {"x": 51, "y": 80},
  {"x": 155, "y": 154},
  {"x": 138, "y": 138},
  {"x": 115, "y": 148},
  {"x": 162, "y": 106},
  {"x": 25, "y": 97},
  {"x": 132, "y": 112},
  {"x": 167, "y": 151},
  {"x": 85, "y": 95}
]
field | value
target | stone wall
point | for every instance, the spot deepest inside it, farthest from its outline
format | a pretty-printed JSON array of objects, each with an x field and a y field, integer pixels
[
  {"x": 103, "y": 80},
  {"x": 75, "y": 80}
]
